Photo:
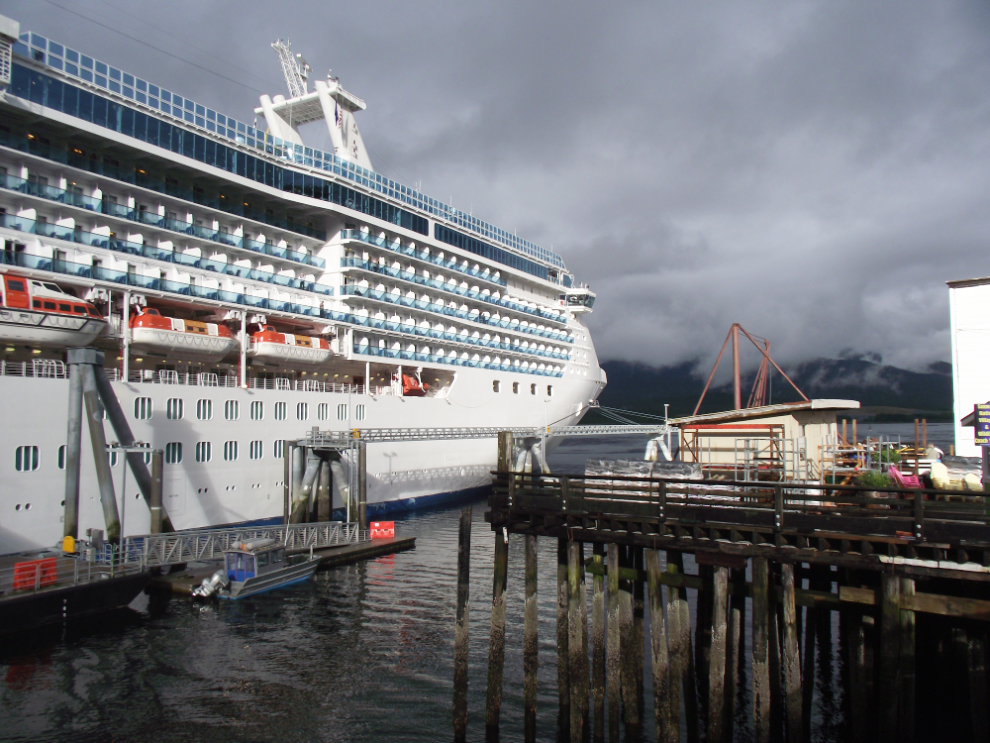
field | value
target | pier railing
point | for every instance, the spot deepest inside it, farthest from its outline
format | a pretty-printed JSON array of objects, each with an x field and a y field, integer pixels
[
  {"x": 154, "y": 550},
  {"x": 926, "y": 528},
  {"x": 57, "y": 571}
]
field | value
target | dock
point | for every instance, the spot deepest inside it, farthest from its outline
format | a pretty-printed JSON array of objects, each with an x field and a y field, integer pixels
[
  {"x": 897, "y": 565},
  {"x": 183, "y": 581}
]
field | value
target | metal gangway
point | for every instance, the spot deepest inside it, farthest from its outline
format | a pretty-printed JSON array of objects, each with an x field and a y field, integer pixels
[{"x": 175, "y": 548}]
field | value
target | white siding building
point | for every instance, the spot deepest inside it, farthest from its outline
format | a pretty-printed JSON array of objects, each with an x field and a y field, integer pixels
[{"x": 969, "y": 318}]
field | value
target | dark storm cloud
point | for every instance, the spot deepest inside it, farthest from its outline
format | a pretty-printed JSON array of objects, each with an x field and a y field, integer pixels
[{"x": 814, "y": 170}]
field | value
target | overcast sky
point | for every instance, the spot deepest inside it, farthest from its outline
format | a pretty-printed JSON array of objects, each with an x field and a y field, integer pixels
[{"x": 813, "y": 170}]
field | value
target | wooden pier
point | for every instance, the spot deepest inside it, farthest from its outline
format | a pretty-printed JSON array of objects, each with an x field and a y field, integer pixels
[{"x": 891, "y": 563}]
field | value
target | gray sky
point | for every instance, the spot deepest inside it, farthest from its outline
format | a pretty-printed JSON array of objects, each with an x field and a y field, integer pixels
[{"x": 813, "y": 170}]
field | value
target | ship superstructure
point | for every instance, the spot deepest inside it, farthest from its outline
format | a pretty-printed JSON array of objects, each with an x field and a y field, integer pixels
[{"x": 247, "y": 288}]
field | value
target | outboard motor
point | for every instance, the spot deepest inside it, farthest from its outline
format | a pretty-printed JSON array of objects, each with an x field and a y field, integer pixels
[{"x": 211, "y": 585}]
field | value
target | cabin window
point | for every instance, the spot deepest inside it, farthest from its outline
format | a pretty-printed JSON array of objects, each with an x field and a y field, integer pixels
[
  {"x": 278, "y": 556},
  {"x": 204, "y": 451},
  {"x": 64, "y": 307},
  {"x": 79, "y": 310},
  {"x": 278, "y": 450},
  {"x": 532, "y": 389},
  {"x": 496, "y": 386},
  {"x": 359, "y": 412},
  {"x": 280, "y": 411},
  {"x": 322, "y": 411},
  {"x": 37, "y": 304},
  {"x": 204, "y": 409},
  {"x": 173, "y": 452},
  {"x": 342, "y": 411},
  {"x": 231, "y": 410},
  {"x": 302, "y": 411},
  {"x": 263, "y": 560},
  {"x": 256, "y": 450},
  {"x": 49, "y": 305},
  {"x": 230, "y": 451},
  {"x": 113, "y": 457},
  {"x": 142, "y": 408},
  {"x": 26, "y": 458},
  {"x": 257, "y": 410},
  {"x": 93, "y": 313},
  {"x": 61, "y": 457},
  {"x": 515, "y": 388},
  {"x": 173, "y": 409},
  {"x": 549, "y": 390}
]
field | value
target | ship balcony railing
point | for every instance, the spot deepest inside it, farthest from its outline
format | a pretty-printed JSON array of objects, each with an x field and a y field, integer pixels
[
  {"x": 86, "y": 271},
  {"x": 506, "y": 323},
  {"x": 126, "y": 175},
  {"x": 366, "y": 349},
  {"x": 450, "y": 264},
  {"x": 211, "y": 379},
  {"x": 38, "y": 368},
  {"x": 71, "y": 234},
  {"x": 113, "y": 209},
  {"x": 446, "y": 286},
  {"x": 443, "y": 335}
]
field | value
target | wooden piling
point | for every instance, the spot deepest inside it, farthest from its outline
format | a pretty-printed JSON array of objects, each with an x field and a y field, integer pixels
[
  {"x": 496, "y": 648},
  {"x": 585, "y": 668},
  {"x": 808, "y": 676},
  {"x": 530, "y": 640},
  {"x": 792, "y": 658},
  {"x": 637, "y": 655},
  {"x": 906, "y": 685},
  {"x": 976, "y": 662},
  {"x": 629, "y": 703},
  {"x": 775, "y": 660},
  {"x": 760, "y": 663},
  {"x": 575, "y": 642},
  {"x": 563, "y": 677},
  {"x": 733, "y": 648},
  {"x": 689, "y": 689},
  {"x": 660, "y": 663},
  {"x": 890, "y": 622},
  {"x": 598, "y": 644},
  {"x": 703, "y": 636},
  {"x": 461, "y": 623},
  {"x": 675, "y": 652},
  {"x": 614, "y": 656},
  {"x": 716, "y": 657}
]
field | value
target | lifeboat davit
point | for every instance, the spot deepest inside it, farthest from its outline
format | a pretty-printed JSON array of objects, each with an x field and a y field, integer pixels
[
  {"x": 39, "y": 313},
  {"x": 270, "y": 345},
  {"x": 151, "y": 331}
]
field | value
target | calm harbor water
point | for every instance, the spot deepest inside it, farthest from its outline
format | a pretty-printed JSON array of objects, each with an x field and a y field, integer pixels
[{"x": 361, "y": 653}]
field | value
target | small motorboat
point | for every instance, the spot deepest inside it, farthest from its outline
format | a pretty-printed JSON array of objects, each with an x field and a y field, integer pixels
[{"x": 255, "y": 566}]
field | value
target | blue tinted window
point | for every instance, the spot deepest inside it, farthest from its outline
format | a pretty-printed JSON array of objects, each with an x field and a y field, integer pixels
[
  {"x": 129, "y": 92},
  {"x": 163, "y": 94},
  {"x": 114, "y": 86},
  {"x": 114, "y": 73},
  {"x": 72, "y": 55},
  {"x": 101, "y": 68},
  {"x": 142, "y": 85},
  {"x": 128, "y": 79},
  {"x": 86, "y": 75},
  {"x": 55, "y": 48},
  {"x": 221, "y": 120},
  {"x": 101, "y": 81},
  {"x": 210, "y": 113},
  {"x": 87, "y": 62},
  {"x": 142, "y": 98},
  {"x": 55, "y": 62},
  {"x": 71, "y": 68},
  {"x": 39, "y": 41}
]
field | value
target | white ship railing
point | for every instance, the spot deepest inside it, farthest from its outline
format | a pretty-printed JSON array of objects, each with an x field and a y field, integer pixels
[
  {"x": 154, "y": 550},
  {"x": 41, "y": 368}
]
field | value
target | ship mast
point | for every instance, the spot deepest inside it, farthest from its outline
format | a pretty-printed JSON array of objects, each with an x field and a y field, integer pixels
[{"x": 329, "y": 102}]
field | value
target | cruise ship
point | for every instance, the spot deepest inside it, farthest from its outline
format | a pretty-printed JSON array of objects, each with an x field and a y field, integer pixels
[{"x": 246, "y": 288}]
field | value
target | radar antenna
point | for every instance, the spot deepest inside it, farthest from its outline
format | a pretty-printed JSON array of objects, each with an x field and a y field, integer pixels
[{"x": 294, "y": 67}]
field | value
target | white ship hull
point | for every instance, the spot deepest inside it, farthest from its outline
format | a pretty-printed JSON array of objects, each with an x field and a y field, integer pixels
[{"x": 401, "y": 476}]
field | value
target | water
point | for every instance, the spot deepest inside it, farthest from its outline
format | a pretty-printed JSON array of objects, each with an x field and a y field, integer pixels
[{"x": 361, "y": 653}]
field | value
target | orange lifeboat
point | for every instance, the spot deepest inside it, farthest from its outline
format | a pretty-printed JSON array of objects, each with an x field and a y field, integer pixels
[
  {"x": 285, "y": 348},
  {"x": 151, "y": 331},
  {"x": 412, "y": 387},
  {"x": 41, "y": 314}
]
